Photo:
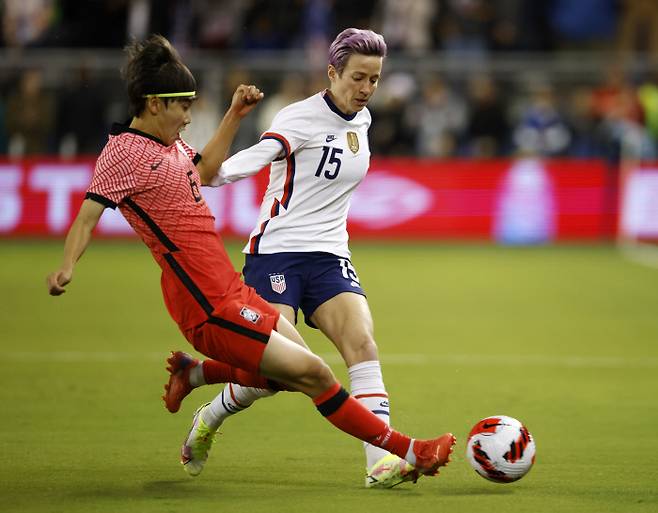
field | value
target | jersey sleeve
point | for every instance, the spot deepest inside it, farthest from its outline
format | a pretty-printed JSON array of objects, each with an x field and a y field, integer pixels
[
  {"x": 247, "y": 162},
  {"x": 291, "y": 128},
  {"x": 113, "y": 178}
]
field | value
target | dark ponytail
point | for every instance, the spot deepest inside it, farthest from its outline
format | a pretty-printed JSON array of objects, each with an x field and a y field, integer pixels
[{"x": 154, "y": 67}]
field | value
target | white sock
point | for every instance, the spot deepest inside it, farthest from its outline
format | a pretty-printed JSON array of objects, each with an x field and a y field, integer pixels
[
  {"x": 410, "y": 456},
  {"x": 196, "y": 375},
  {"x": 233, "y": 399},
  {"x": 367, "y": 386}
]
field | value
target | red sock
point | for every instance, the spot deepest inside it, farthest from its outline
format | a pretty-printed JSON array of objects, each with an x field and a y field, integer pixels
[
  {"x": 220, "y": 372},
  {"x": 350, "y": 416}
]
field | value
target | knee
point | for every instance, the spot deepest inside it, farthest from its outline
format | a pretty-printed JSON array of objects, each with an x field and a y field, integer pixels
[
  {"x": 317, "y": 373},
  {"x": 359, "y": 347}
]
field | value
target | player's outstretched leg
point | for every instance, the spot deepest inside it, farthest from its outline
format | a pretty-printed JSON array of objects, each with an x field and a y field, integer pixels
[{"x": 350, "y": 416}]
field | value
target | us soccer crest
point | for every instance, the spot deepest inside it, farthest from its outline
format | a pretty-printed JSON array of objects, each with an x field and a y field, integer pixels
[
  {"x": 278, "y": 282},
  {"x": 353, "y": 141}
]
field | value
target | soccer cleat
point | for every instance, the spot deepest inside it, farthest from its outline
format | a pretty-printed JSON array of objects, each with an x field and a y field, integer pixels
[
  {"x": 432, "y": 454},
  {"x": 390, "y": 471},
  {"x": 194, "y": 452},
  {"x": 179, "y": 366}
]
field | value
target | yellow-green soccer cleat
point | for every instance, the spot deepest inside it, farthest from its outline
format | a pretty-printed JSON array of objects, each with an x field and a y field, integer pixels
[
  {"x": 390, "y": 471},
  {"x": 198, "y": 443}
]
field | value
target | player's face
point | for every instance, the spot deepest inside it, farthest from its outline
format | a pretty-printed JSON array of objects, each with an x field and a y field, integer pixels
[
  {"x": 352, "y": 89},
  {"x": 174, "y": 117}
]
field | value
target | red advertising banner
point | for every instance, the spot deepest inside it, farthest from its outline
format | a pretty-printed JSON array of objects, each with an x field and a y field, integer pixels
[{"x": 513, "y": 201}]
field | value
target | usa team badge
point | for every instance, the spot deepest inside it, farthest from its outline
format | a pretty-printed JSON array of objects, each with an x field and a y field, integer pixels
[
  {"x": 353, "y": 141},
  {"x": 249, "y": 314},
  {"x": 278, "y": 282}
]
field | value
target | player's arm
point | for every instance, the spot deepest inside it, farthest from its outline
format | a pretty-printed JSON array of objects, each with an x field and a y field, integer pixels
[
  {"x": 244, "y": 100},
  {"x": 247, "y": 162},
  {"x": 77, "y": 241}
]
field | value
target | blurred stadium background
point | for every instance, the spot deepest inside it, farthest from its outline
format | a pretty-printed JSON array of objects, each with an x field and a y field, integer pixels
[
  {"x": 483, "y": 96},
  {"x": 497, "y": 125}
]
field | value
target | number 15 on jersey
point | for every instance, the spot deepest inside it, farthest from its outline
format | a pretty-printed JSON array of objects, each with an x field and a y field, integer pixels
[{"x": 333, "y": 165}]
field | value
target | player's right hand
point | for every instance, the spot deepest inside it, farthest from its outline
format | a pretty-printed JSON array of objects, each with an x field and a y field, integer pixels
[
  {"x": 57, "y": 281},
  {"x": 245, "y": 99}
]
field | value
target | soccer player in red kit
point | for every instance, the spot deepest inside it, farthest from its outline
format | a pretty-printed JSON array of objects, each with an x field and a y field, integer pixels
[{"x": 154, "y": 177}]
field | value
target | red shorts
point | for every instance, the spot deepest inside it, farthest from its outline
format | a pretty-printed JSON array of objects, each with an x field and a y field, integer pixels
[{"x": 237, "y": 330}]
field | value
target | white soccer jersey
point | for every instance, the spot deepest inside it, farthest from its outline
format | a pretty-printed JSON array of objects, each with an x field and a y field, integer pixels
[{"x": 325, "y": 156}]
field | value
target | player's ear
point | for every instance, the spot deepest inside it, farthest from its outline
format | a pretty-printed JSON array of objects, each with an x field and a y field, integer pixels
[
  {"x": 153, "y": 105},
  {"x": 332, "y": 73}
]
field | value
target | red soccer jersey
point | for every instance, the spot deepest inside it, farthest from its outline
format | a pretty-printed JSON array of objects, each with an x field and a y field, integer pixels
[{"x": 156, "y": 187}]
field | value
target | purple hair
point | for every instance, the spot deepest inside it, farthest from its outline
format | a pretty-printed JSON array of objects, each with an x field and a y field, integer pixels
[{"x": 351, "y": 41}]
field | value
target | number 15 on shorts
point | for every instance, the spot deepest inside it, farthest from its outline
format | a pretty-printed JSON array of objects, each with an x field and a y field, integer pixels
[{"x": 349, "y": 273}]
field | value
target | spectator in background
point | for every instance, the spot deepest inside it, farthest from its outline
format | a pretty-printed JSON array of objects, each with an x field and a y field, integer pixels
[
  {"x": 407, "y": 23},
  {"x": 617, "y": 112},
  {"x": 637, "y": 27},
  {"x": 622, "y": 127},
  {"x": 391, "y": 132},
  {"x": 464, "y": 26},
  {"x": 585, "y": 140},
  {"x": 504, "y": 32},
  {"x": 441, "y": 116},
  {"x": 270, "y": 25},
  {"x": 316, "y": 25},
  {"x": 24, "y": 23},
  {"x": 487, "y": 126},
  {"x": 78, "y": 132},
  {"x": 30, "y": 116},
  {"x": 542, "y": 129},
  {"x": 606, "y": 97},
  {"x": 218, "y": 22}
]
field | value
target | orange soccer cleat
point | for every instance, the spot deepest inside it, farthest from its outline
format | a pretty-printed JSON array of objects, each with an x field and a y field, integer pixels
[
  {"x": 179, "y": 365},
  {"x": 432, "y": 454}
]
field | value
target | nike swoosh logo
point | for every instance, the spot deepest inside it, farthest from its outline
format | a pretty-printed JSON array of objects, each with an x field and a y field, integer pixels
[
  {"x": 330, "y": 138},
  {"x": 487, "y": 425},
  {"x": 156, "y": 165}
]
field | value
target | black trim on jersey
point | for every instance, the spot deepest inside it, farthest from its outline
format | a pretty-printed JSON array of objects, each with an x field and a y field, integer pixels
[
  {"x": 189, "y": 284},
  {"x": 240, "y": 330},
  {"x": 331, "y": 405},
  {"x": 157, "y": 231},
  {"x": 120, "y": 128},
  {"x": 334, "y": 108},
  {"x": 197, "y": 158},
  {"x": 187, "y": 280},
  {"x": 107, "y": 203}
]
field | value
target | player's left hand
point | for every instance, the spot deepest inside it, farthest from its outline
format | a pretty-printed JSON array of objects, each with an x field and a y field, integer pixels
[
  {"x": 57, "y": 281},
  {"x": 245, "y": 98}
]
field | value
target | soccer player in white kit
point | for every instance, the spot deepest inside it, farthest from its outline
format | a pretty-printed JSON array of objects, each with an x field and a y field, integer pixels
[{"x": 297, "y": 255}]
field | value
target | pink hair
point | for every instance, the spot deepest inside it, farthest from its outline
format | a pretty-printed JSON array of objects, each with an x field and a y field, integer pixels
[{"x": 351, "y": 41}]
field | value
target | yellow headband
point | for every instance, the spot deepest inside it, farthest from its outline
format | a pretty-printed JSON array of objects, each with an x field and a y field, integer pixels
[{"x": 169, "y": 95}]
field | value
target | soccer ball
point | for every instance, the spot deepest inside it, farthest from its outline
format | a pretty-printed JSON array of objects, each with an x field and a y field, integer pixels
[{"x": 500, "y": 449}]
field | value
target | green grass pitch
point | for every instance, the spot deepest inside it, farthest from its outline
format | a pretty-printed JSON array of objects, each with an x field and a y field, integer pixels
[{"x": 565, "y": 338}]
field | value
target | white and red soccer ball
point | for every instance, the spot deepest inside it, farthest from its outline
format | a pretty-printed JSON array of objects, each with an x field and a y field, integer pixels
[{"x": 500, "y": 449}]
